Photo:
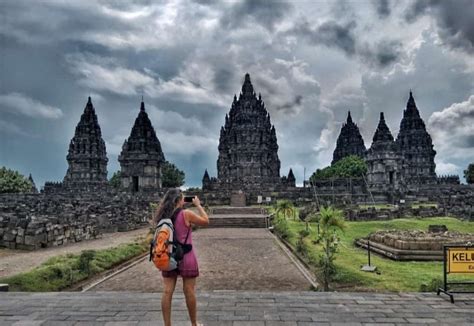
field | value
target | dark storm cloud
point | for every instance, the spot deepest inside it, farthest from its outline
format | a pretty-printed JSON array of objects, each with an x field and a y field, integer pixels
[
  {"x": 382, "y": 7},
  {"x": 290, "y": 106},
  {"x": 262, "y": 12},
  {"x": 382, "y": 54},
  {"x": 455, "y": 20},
  {"x": 341, "y": 37},
  {"x": 223, "y": 79},
  {"x": 330, "y": 34}
]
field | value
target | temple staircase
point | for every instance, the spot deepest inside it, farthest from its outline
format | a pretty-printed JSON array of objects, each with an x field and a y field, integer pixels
[{"x": 238, "y": 217}]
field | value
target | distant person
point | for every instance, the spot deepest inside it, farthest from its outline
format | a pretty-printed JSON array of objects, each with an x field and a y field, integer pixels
[{"x": 171, "y": 206}]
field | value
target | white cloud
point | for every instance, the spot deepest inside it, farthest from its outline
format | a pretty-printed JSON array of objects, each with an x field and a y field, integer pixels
[
  {"x": 452, "y": 130},
  {"x": 178, "y": 143},
  {"x": 105, "y": 74},
  {"x": 443, "y": 168},
  {"x": 18, "y": 103}
]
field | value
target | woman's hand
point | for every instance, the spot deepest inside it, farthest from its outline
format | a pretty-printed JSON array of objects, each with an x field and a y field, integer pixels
[{"x": 196, "y": 201}]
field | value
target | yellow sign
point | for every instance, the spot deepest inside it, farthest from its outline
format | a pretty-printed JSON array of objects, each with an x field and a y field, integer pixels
[{"x": 461, "y": 260}]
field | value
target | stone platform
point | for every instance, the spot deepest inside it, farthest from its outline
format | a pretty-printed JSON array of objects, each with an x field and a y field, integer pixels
[{"x": 237, "y": 309}]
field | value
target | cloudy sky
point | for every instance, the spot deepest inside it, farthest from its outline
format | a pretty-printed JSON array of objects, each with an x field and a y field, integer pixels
[{"x": 311, "y": 61}]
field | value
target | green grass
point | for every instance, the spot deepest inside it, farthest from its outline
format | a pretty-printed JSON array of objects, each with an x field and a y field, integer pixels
[
  {"x": 63, "y": 271},
  {"x": 394, "y": 276}
]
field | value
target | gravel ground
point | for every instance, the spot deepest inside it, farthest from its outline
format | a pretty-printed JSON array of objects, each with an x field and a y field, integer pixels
[
  {"x": 229, "y": 259},
  {"x": 16, "y": 261}
]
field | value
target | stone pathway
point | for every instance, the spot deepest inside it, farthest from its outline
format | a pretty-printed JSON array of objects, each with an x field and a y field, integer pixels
[
  {"x": 229, "y": 259},
  {"x": 17, "y": 261},
  {"x": 236, "y": 309}
]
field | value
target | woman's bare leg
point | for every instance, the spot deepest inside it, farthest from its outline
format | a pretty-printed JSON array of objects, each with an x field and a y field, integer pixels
[
  {"x": 169, "y": 285},
  {"x": 189, "y": 284}
]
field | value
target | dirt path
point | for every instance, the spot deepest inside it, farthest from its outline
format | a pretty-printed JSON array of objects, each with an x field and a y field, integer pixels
[
  {"x": 17, "y": 261},
  {"x": 229, "y": 259}
]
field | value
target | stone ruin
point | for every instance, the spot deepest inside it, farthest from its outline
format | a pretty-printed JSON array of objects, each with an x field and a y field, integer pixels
[
  {"x": 414, "y": 244},
  {"x": 33, "y": 221},
  {"x": 83, "y": 205},
  {"x": 394, "y": 166},
  {"x": 248, "y": 148},
  {"x": 349, "y": 142}
]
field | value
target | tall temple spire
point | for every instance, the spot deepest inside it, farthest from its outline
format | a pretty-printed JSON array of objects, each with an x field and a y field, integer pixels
[
  {"x": 87, "y": 156},
  {"x": 247, "y": 88},
  {"x": 382, "y": 134},
  {"x": 416, "y": 146},
  {"x": 349, "y": 142},
  {"x": 349, "y": 117},
  {"x": 384, "y": 161},
  {"x": 33, "y": 188},
  {"x": 248, "y": 148},
  {"x": 411, "y": 106},
  {"x": 141, "y": 157}
]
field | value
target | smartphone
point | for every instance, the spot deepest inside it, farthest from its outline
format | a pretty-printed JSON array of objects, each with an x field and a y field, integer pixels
[{"x": 188, "y": 199}]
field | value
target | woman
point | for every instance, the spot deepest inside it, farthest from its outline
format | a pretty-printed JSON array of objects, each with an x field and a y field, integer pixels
[{"x": 172, "y": 206}]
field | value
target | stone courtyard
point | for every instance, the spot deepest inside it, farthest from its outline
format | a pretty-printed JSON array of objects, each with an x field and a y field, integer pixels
[
  {"x": 229, "y": 259},
  {"x": 241, "y": 308}
]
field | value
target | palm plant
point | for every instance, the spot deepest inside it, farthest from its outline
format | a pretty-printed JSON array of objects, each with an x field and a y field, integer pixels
[
  {"x": 286, "y": 208},
  {"x": 331, "y": 221}
]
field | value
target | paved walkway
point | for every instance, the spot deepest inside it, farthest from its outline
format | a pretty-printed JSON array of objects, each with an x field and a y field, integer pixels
[
  {"x": 236, "y": 309},
  {"x": 16, "y": 261},
  {"x": 229, "y": 259}
]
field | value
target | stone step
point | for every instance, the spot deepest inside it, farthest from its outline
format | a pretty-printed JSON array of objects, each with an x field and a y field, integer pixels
[
  {"x": 238, "y": 221},
  {"x": 237, "y": 210}
]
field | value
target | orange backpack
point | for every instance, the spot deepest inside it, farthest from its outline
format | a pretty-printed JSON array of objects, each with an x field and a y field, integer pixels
[{"x": 165, "y": 251}]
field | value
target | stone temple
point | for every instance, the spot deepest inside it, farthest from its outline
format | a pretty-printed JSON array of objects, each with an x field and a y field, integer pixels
[
  {"x": 416, "y": 147},
  {"x": 392, "y": 164},
  {"x": 87, "y": 157},
  {"x": 384, "y": 161},
  {"x": 141, "y": 157},
  {"x": 349, "y": 142},
  {"x": 248, "y": 148}
]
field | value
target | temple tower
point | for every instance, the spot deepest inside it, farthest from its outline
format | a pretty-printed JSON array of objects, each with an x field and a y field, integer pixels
[
  {"x": 141, "y": 157},
  {"x": 416, "y": 147},
  {"x": 33, "y": 188},
  {"x": 384, "y": 161},
  {"x": 248, "y": 149},
  {"x": 349, "y": 142},
  {"x": 87, "y": 157}
]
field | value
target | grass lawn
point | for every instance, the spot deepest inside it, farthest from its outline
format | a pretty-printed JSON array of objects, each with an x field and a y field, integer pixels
[
  {"x": 394, "y": 276},
  {"x": 60, "y": 272}
]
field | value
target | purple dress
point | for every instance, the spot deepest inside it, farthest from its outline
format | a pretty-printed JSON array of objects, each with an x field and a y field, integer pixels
[{"x": 188, "y": 267}]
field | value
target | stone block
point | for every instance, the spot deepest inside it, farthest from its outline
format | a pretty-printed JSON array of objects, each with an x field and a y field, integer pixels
[{"x": 9, "y": 236}]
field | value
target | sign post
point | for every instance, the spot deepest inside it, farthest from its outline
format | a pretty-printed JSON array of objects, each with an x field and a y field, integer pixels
[{"x": 457, "y": 259}]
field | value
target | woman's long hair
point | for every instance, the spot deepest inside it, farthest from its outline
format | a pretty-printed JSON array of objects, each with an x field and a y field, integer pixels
[{"x": 167, "y": 206}]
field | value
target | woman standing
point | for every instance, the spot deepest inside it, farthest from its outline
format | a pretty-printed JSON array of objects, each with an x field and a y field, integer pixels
[{"x": 172, "y": 206}]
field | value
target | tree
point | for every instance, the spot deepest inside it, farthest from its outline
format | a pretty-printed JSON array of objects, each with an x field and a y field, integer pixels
[
  {"x": 12, "y": 181},
  {"x": 350, "y": 166},
  {"x": 172, "y": 177},
  {"x": 469, "y": 174},
  {"x": 115, "y": 180},
  {"x": 331, "y": 221},
  {"x": 285, "y": 207}
]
